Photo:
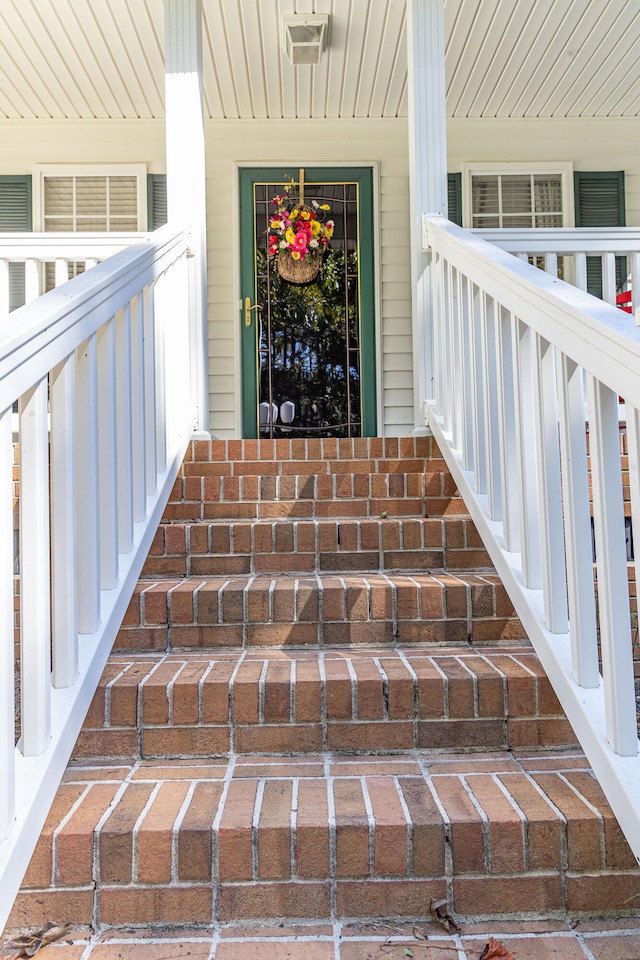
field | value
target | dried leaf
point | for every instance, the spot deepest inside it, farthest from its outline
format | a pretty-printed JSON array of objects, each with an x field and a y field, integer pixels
[
  {"x": 495, "y": 951},
  {"x": 28, "y": 944},
  {"x": 440, "y": 911},
  {"x": 418, "y": 934}
]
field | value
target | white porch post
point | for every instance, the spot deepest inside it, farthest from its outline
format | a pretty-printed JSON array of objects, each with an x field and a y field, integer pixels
[
  {"x": 427, "y": 176},
  {"x": 186, "y": 184}
]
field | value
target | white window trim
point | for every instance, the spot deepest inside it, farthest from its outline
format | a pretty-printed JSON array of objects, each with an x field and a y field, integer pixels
[
  {"x": 42, "y": 170},
  {"x": 565, "y": 168}
]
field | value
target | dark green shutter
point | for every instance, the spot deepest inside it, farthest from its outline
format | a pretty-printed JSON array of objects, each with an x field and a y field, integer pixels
[
  {"x": 454, "y": 187},
  {"x": 599, "y": 202},
  {"x": 15, "y": 217},
  {"x": 156, "y": 200}
]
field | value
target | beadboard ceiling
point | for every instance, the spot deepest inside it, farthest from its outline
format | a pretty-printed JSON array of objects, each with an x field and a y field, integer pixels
[{"x": 505, "y": 58}]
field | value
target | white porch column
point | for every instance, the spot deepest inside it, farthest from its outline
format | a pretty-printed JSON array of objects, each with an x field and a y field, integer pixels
[
  {"x": 427, "y": 175},
  {"x": 186, "y": 184}
]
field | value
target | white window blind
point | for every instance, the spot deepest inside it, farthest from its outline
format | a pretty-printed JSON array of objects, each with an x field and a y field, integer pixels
[
  {"x": 516, "y": 200},
  {"x": 90, "y": 203}
]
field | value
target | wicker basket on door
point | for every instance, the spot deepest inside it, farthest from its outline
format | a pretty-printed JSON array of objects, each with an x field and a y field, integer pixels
[{"x": 298, "y": 271}]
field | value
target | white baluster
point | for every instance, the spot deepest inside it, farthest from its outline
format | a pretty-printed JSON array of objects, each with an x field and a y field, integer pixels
[
  {"x": 88, "y": 490},
  {"x": 160, "y": 317},
  {"x": 150, "y": 390},
  {"x": 633, "y": 451},
  {"x": 554, "y": 584},
  {"x": 7, "y": 643},
  {"x": 526, "y": 455},
  {"x": 609, "y": 278},
  {"x": 124, "y": 429},
  {"x": 464, "y": 317},
  {"x": 507, "y": 433},
  {"x": 577, "y": 522},
  {"x": 138, "y": 409},
  {"x": 35, "y": 626},
  {"x": 477, "y": 391},
  {"x": 108, "y": 456},
  {"x": 551, "y": 264},
  {"x": 61, "y": 272},
  {"x": 580, "y": 267},
  {"x": 4, "y": 287},
  {"x": 611, "y": 562},
  {"x": 448, "y": 351},
  {"x": 634, "y": 272},
  {"x": 457, "y": 392},
  {"x": 64, "y": 531},
  {"x": 491, "y": 373},
  {"x": 31, "y": 280},
  {"x": 438, "y": 333}
]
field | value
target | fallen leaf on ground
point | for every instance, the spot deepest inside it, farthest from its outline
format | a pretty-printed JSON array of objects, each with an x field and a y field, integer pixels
[
  {"x": 417, "y": 934},
  {"x": 495, "y": 951},
  {"x": 27, "y": 944},
  {"x": 440, "y": 910}
]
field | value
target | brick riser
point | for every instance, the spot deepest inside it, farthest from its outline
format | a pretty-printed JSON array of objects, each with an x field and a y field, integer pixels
[
  {"x": 300, "y": 731},
  {"x": 315, "y": 546},
  {"x": 325, "y": 838}
]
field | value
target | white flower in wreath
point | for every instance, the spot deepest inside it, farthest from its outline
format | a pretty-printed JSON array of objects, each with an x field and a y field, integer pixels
[
  {"x": 283, "y": 244},
  {"x": 313, "y": 243}
]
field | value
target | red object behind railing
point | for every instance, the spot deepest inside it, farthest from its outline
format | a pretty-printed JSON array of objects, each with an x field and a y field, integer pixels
[{"x": 623, "y": 300}]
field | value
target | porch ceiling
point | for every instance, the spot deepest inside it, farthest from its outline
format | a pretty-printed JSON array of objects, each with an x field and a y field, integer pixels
[{"x": 505, "y": 58}]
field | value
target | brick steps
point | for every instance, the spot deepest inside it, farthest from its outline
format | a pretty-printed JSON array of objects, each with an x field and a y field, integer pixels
[
  {"x": 321, "y": 706},
  {"x": 316, "y": 611},
  {"x": 353, "y": 701},
  {"x": 315, "y": 546},
  {"x": 327, "y": 837}
]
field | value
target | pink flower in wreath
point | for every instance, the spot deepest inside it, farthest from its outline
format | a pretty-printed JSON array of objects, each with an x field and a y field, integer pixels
[{"x": 300, "y": 241}]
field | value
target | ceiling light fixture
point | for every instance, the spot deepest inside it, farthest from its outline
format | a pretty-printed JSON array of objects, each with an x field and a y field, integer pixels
[{"x": 304, "y": 37}]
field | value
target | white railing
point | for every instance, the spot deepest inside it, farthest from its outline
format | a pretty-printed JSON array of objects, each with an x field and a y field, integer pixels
[
  {"x": 512, "y": 349},
  {"x": 571, "y": 247},
  {"x": 101, "y": 370}
]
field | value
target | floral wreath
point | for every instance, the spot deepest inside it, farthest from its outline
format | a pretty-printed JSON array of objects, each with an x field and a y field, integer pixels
[{"x": 299, "y": 229}]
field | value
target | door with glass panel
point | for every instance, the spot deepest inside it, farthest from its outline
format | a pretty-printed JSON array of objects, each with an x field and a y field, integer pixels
[{"x": 308, "y": 358}]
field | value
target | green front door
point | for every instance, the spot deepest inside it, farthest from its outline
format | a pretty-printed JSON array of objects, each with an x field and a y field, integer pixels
[{"x": 308, "y": 357}]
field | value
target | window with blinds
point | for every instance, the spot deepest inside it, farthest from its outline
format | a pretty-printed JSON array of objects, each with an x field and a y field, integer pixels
[
  {"x": 96, "y": 204},
  {"x": 522, "y": 200}
]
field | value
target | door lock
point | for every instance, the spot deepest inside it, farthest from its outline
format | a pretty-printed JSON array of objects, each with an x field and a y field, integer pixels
[{"x": 247, "y": 310}]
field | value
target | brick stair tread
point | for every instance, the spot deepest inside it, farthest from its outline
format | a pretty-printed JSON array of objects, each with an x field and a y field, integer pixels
[
  {"x": 315, "y": 545},
  {"x": 300, "y": 702},
  {"x": 314, "y": 610},
  {"x": 330, "y": 836},
  {"x": 203, "y": 496}
]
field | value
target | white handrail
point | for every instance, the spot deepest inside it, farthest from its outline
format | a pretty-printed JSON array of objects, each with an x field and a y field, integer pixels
[
  {"x": 101, "y": 369},
  {"x": 517, "y": 344},
  {"x": 574, "y": 245}
]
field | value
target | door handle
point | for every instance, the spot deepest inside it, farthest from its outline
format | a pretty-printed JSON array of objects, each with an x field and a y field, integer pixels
[{"x": 247, "y": 310}]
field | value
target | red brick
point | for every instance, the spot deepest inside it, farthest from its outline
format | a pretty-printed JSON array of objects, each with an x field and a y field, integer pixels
[
  {"x": 391, "y": 828},
  {"x": 116, "y": 835},
  {"x": 195, "y": 835},
  {"x": 352, "y": 829},
  {"x": 154, "y": 838},
  {"x": 274, "y": 831},
  {"x": 235, "y": 832},
  {"x": 312, "y": 845},
  {"x": 274, "y": 899}
]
